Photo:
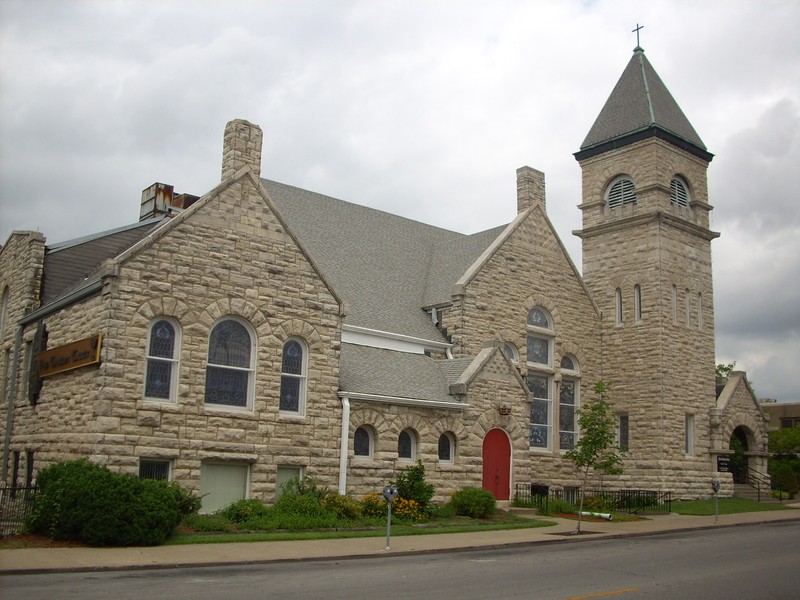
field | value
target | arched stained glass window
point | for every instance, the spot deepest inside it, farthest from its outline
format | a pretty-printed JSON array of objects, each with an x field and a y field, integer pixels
[
  {"x": 293, "y": 377},
  {"x": 362, "y": 443},
  {"x": 447, "y": 448},
  {"x": 229, "y": 373},
  {"x": 406, "y": 445},
  {"x": 539, "y": 318},
  {"x": 540, "y": 341},
  {"x": 161, "y": 376}
]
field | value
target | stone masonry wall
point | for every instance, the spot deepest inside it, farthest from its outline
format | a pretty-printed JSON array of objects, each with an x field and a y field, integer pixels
[
  {"x": 230, "y": 256},
  {"x": 661, "y": 366},
  {"x": 531, "y": 269},
  {"x": 21, "y": 262}
]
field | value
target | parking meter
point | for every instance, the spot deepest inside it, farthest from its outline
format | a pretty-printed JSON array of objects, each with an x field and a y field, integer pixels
[
  {"x": 715, "y": 487},
  {"x": 389, "y": 494}
]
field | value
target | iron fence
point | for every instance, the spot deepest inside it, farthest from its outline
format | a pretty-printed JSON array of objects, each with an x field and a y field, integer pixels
[
  {"x": 15, "y": 505},
  {"x": 631, "y": 501}
]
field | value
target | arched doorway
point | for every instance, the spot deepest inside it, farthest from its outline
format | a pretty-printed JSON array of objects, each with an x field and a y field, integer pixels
[
  {"x": 497, "y": 464},
  {"x": 739, "y": 445}
]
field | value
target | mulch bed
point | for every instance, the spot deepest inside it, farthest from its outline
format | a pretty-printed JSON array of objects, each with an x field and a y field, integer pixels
[{"x": 28, "y": 540}]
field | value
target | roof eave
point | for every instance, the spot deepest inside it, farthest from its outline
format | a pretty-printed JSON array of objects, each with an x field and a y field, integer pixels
[{"x": 643, "y": 134}]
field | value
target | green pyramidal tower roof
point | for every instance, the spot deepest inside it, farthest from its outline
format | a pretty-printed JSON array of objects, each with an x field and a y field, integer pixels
[{"x": 640, "y": 106}]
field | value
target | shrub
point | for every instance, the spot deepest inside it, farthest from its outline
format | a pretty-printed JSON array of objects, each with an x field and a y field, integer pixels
[
  {"x": 473, "y": 502},
  {"x": 407, "y": 510},
  {"x": 441, "y": 511},
  {"x": 243, "y": 510},
  {"x": 373, "y": 505},
  {"x": 84, "y": 502},
  {"x": 411, "y": 485},
  {"x": 556, "y": 505},
  {"x": 307, "y": 486},
  {"x": 306, "y": 505},
  {"x": 783, "y": 477},
  {"x": 343, "y": 506},
  {"x": 188, "y": 502},
  {"x": 595, "y": 504}
]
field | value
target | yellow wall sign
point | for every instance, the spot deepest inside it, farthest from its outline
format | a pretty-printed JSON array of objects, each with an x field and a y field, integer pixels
[{"x": 69, "y": 356}]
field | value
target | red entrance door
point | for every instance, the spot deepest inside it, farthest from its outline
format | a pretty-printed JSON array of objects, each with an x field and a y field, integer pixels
[{"x": 497, "y": 463}]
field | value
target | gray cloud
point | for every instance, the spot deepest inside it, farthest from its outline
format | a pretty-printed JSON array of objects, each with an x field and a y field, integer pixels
[{"x": 421, "y": 108}]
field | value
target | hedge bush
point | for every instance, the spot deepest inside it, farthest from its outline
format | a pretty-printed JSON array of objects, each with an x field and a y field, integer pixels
[
  {"x": 244, "y": 510},
  {"x": 473, "y": 502},
  {"x": 80, "y": 501},
  {"x": 411, "y": 485}
]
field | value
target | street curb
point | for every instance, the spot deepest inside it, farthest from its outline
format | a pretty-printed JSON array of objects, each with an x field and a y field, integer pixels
[{"x": 556, "y": 539}]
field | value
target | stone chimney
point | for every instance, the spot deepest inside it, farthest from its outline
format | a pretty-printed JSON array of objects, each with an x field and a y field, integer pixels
[
  {"x": 241, "y": 147},
  {"x": 530, "y": 188}
]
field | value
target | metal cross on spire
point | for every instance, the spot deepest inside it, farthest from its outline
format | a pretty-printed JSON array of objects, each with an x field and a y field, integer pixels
[{"x": 638, "y": 27}]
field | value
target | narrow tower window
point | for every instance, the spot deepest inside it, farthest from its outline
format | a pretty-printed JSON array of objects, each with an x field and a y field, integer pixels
[
  {"x": 674, "y": 303},
  {"x": 699, "y": 310},
  {"x": 618, "y": 307},
  {"x": 637, "y": 302},
  {"x": 687, "y": 303}
]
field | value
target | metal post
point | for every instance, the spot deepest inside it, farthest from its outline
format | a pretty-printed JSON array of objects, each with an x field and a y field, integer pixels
[
  {"x": 389, "y": 527},
  {"x": 715, "y": 486},
  {"x": 389, "y": 494}
]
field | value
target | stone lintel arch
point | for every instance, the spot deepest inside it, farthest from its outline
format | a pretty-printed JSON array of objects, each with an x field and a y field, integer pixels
[
  {"x": 546, "y": 303},
  {"x": 756, "y": 436},
  {"x": 453, "y": 425},
  {"x": 368, "y": 416},
  {"x": 570, "y": 348},
  {"x": 410, "y": 420},
  {"x": 300, "y": 329},
  {"x": 166, "y": 306},
  {"x": 234, "y": 307},
  {"x": 491, "y": 419},
  {"x": 611, "y": 173}
]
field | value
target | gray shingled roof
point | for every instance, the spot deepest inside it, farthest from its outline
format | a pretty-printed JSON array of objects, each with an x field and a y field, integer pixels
[
  {"x": 385, "y": 267},
  {"x": 453, "y": 369},
  {"x": 70, "y": 264},
  {"x": 640, "y": 101},
  {"x": 376, "y": 371}
]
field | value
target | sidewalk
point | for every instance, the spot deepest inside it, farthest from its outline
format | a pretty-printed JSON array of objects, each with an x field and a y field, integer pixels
[{"x": 46, "y": 560}]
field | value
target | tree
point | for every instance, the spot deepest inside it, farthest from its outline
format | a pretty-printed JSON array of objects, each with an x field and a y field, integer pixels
[
  {"x": 596, "y": 449},
  {"x": 724, "y": 371},
  {"x": 784, "y": 460}
]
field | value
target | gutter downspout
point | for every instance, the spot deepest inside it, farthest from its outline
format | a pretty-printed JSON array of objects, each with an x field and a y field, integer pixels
[
  {"x": 343, "y": 445},
  {"x": 12, "y": 394}
]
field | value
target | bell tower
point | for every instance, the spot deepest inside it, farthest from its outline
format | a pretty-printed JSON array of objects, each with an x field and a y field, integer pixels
[{"x": 647, "y": 262}]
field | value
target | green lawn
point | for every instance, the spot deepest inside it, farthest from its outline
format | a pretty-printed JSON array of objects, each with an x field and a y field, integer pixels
[
  {"x": 398, "y": 529},
  {"x": 727, "y": 506}
]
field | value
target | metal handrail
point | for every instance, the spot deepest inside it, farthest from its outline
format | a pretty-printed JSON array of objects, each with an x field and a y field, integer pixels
[{"x": 760, "y": 479}]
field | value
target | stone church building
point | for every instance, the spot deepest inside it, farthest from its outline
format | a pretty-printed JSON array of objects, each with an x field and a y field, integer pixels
[{"x": 232, "y": 341}]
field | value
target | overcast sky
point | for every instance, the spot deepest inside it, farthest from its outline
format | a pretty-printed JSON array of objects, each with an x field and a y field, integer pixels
[{"x": 420, "y": 108}]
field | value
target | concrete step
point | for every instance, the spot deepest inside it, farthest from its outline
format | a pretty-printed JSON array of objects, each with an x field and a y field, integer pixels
[{"x": 748, "y": 492}]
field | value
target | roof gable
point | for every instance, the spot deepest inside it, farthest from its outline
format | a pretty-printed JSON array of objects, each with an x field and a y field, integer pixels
[{"x": 488, "y": 359}]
